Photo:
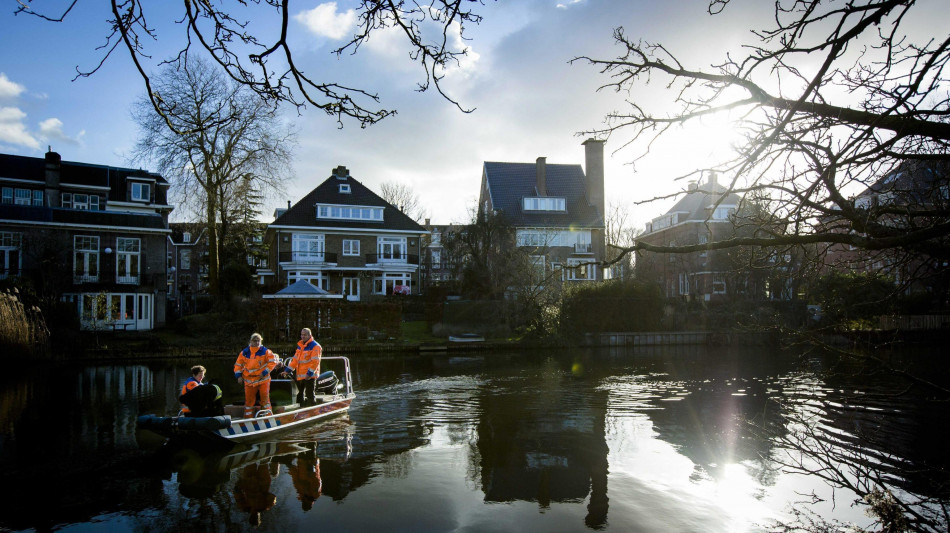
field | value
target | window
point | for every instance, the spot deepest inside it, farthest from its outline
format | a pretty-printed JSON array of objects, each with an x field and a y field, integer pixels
[
  {"x": 436, "y": 238},
  {"x": 349, "y": 212},
  {"x": 344, "y": 188},
  {"x": 718, "y": 285},
  {"x": 185, "y": 259},
  {"x": 435, "y": 258},
  {"x": 24, "y": 197},
  {"x": 351, "y": 247},
  {"x": 537, "y": 266},
  {"x": 580, "y": 270},
  {"x": 684, "y": 283},
  {"x": 10, "y": 254},
  {"x": 21, "y": 196},
  {"x": 315, "y": 277},
  {"x": 543, "y": 204},
  {"x": 308, "y": 248},
  {"x": 84, "y": 202},
  {"x": 66, "y": 200},
  {"x": 723, "y": 213},
  {"x": 85, "y": 258},
  {"x": 391, "y": 249},
  {"x": 703, "y": 239},
  {"x": 384, "y": 284},
  {"x": 128, "y": 260},
  {"x": 141, "y": 192}
]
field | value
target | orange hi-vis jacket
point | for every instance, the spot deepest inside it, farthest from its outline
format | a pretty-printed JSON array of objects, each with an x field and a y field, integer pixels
[
  {"x": 252, "y": 365},
  {"x": 306, "y": 358},
  {"x": 190, "y": 384}
]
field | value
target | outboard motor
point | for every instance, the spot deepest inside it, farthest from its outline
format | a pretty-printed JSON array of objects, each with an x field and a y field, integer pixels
[{"x": 327, "y": 383}]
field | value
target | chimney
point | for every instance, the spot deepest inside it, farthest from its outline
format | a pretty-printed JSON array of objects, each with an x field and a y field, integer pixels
[
  {"x": 594, "y": 167},
  {"x": 288, "y": 204},
  {"x": 712, "y": 180},
  {"x": 427, "y": 223},
  {"x": 542, "y": 177},
  {"x": 341, "y": 172},
  {"x": 53, "y": 172},
  {"x": 692, "y": 186}
]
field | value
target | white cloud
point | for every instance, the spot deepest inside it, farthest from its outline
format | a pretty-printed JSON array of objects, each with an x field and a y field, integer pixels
[
  {"x": 9, "y": 89},
  {"x": 13, "y": 130},
  {"x": 324, "y": 21},
  {"x": 51, "y": 129}
]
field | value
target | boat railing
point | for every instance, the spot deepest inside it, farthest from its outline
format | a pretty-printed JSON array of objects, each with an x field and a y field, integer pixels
[{"x": 347, "y": 376}]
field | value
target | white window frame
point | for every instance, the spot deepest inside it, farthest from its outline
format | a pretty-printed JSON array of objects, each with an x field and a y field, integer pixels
[
  {"x": 23, "y": 197},
  {"x": 435, "y": 257},
  {"x": 308, "y": 248},
  {"x": 583, "y": 273},
  {"x": 391, "y": 249},
  {"x": 128, "y": 260},
  {"x": 351, "y": 247},
  {"x": 7, "y": 196},
  {"x": 140, "y": 192},
  {"x": 85, "y": 258},
  {"x": 388, "y": 280},
  {"x": 38, "y": 198},
  {"x": 543, "y": 203},
  {"x": 317, "y": 278},
  {"x": 345, "y": 188},
  {"x": 11, "y": 260},
  {"x": 350, "y": 212}
]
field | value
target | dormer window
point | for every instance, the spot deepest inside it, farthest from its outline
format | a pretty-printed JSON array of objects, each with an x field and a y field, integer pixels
[
  {"x": 141, "y": 192},
  {"x": 186, "y": 237},
  {"x": 344, "y": 188},
  {"x": 350, "y": 212},
  {"x": 543, "y": 203}
]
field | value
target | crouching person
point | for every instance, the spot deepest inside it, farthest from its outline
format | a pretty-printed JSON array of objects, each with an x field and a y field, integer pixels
[{"x": 253, "y": 367}]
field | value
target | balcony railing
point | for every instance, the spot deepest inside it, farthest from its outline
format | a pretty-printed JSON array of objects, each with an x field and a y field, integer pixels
[
  {"x": 85, "y": 278},
  {"x": 132, "y": 279},
  {"x": 582, "y": 248},
  {"x": 407, "y": 259},
  {"x": 307, "y": 257}
]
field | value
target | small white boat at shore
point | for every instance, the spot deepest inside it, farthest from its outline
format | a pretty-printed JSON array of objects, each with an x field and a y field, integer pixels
[{"x": 466, "y": 337}]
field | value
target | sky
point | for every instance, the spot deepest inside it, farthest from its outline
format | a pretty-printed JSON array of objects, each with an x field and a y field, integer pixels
[{"x": 528, "y": 100}]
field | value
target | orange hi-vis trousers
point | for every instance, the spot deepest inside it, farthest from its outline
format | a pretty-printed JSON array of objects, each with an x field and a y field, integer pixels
[{"x": 251, "y": 392}]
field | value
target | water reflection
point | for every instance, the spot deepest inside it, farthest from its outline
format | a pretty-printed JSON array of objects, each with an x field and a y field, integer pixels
[{"x": 644, "y": 440}]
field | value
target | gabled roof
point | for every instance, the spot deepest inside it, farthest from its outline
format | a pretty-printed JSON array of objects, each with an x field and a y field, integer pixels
[
  {"x": 509, "y": 183},
  {"x": 303, "y": 213},
  {"x": 913, "y": 181},
  {"x": 697, "y": 202}
]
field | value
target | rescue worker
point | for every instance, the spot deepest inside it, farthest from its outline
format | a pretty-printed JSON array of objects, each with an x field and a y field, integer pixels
[
  {"x": 306, "y": 364},
  {"x": 253, "y": 366},
  {"x": 197, "y": 375}
]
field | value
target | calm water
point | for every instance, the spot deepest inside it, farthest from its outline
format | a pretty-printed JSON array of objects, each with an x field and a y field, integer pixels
[{"x": 617, "y": 441}]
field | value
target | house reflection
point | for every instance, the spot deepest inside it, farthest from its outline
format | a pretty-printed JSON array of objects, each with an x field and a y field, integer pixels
[{"x": 549, "y": 448}]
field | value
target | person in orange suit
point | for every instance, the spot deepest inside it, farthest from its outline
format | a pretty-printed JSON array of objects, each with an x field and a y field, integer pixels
[
  {"x": 252, "y": 492},
  {"x": 305, "y": 474},
  {"x": 253, "y": 367},
  {"x": 306, "y": 364},
  {"x": 197, "y": 375}
]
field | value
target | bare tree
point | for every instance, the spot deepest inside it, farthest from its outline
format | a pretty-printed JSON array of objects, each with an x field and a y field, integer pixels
[
  {"x": 404, "y": 198},
  {"x": 259, "y": 56},
  {"x": 812, "y": 137},
  {"x": 235, "y": 146}
]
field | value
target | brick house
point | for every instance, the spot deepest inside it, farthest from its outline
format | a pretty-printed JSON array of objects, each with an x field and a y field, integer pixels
[
  {"x": 557, "y": 211},
  {"x": 93, "y": 234},
  {"x": 703, "y": 215},
  {"x": 343, "y": 238}
]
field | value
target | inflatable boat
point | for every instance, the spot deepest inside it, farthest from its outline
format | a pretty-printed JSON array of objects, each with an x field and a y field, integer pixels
[{"x": 333, "y": 398}]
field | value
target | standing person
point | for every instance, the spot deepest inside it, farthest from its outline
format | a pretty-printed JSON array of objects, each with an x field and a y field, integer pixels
[
  {"x": 253, "y": 367},
  {"x": 197, "y": 375},
  {"x": 306, "y": 364}
]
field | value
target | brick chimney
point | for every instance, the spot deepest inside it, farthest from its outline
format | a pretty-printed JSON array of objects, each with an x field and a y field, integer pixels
[
  {"x": 594, "y": 167},
  {"x": 540, "y": 168},
  {"x": 54, "y": 165}
]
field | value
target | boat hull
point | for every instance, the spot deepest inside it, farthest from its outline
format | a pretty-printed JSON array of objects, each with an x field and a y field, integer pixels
[{"x": 212, "y": 429}]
